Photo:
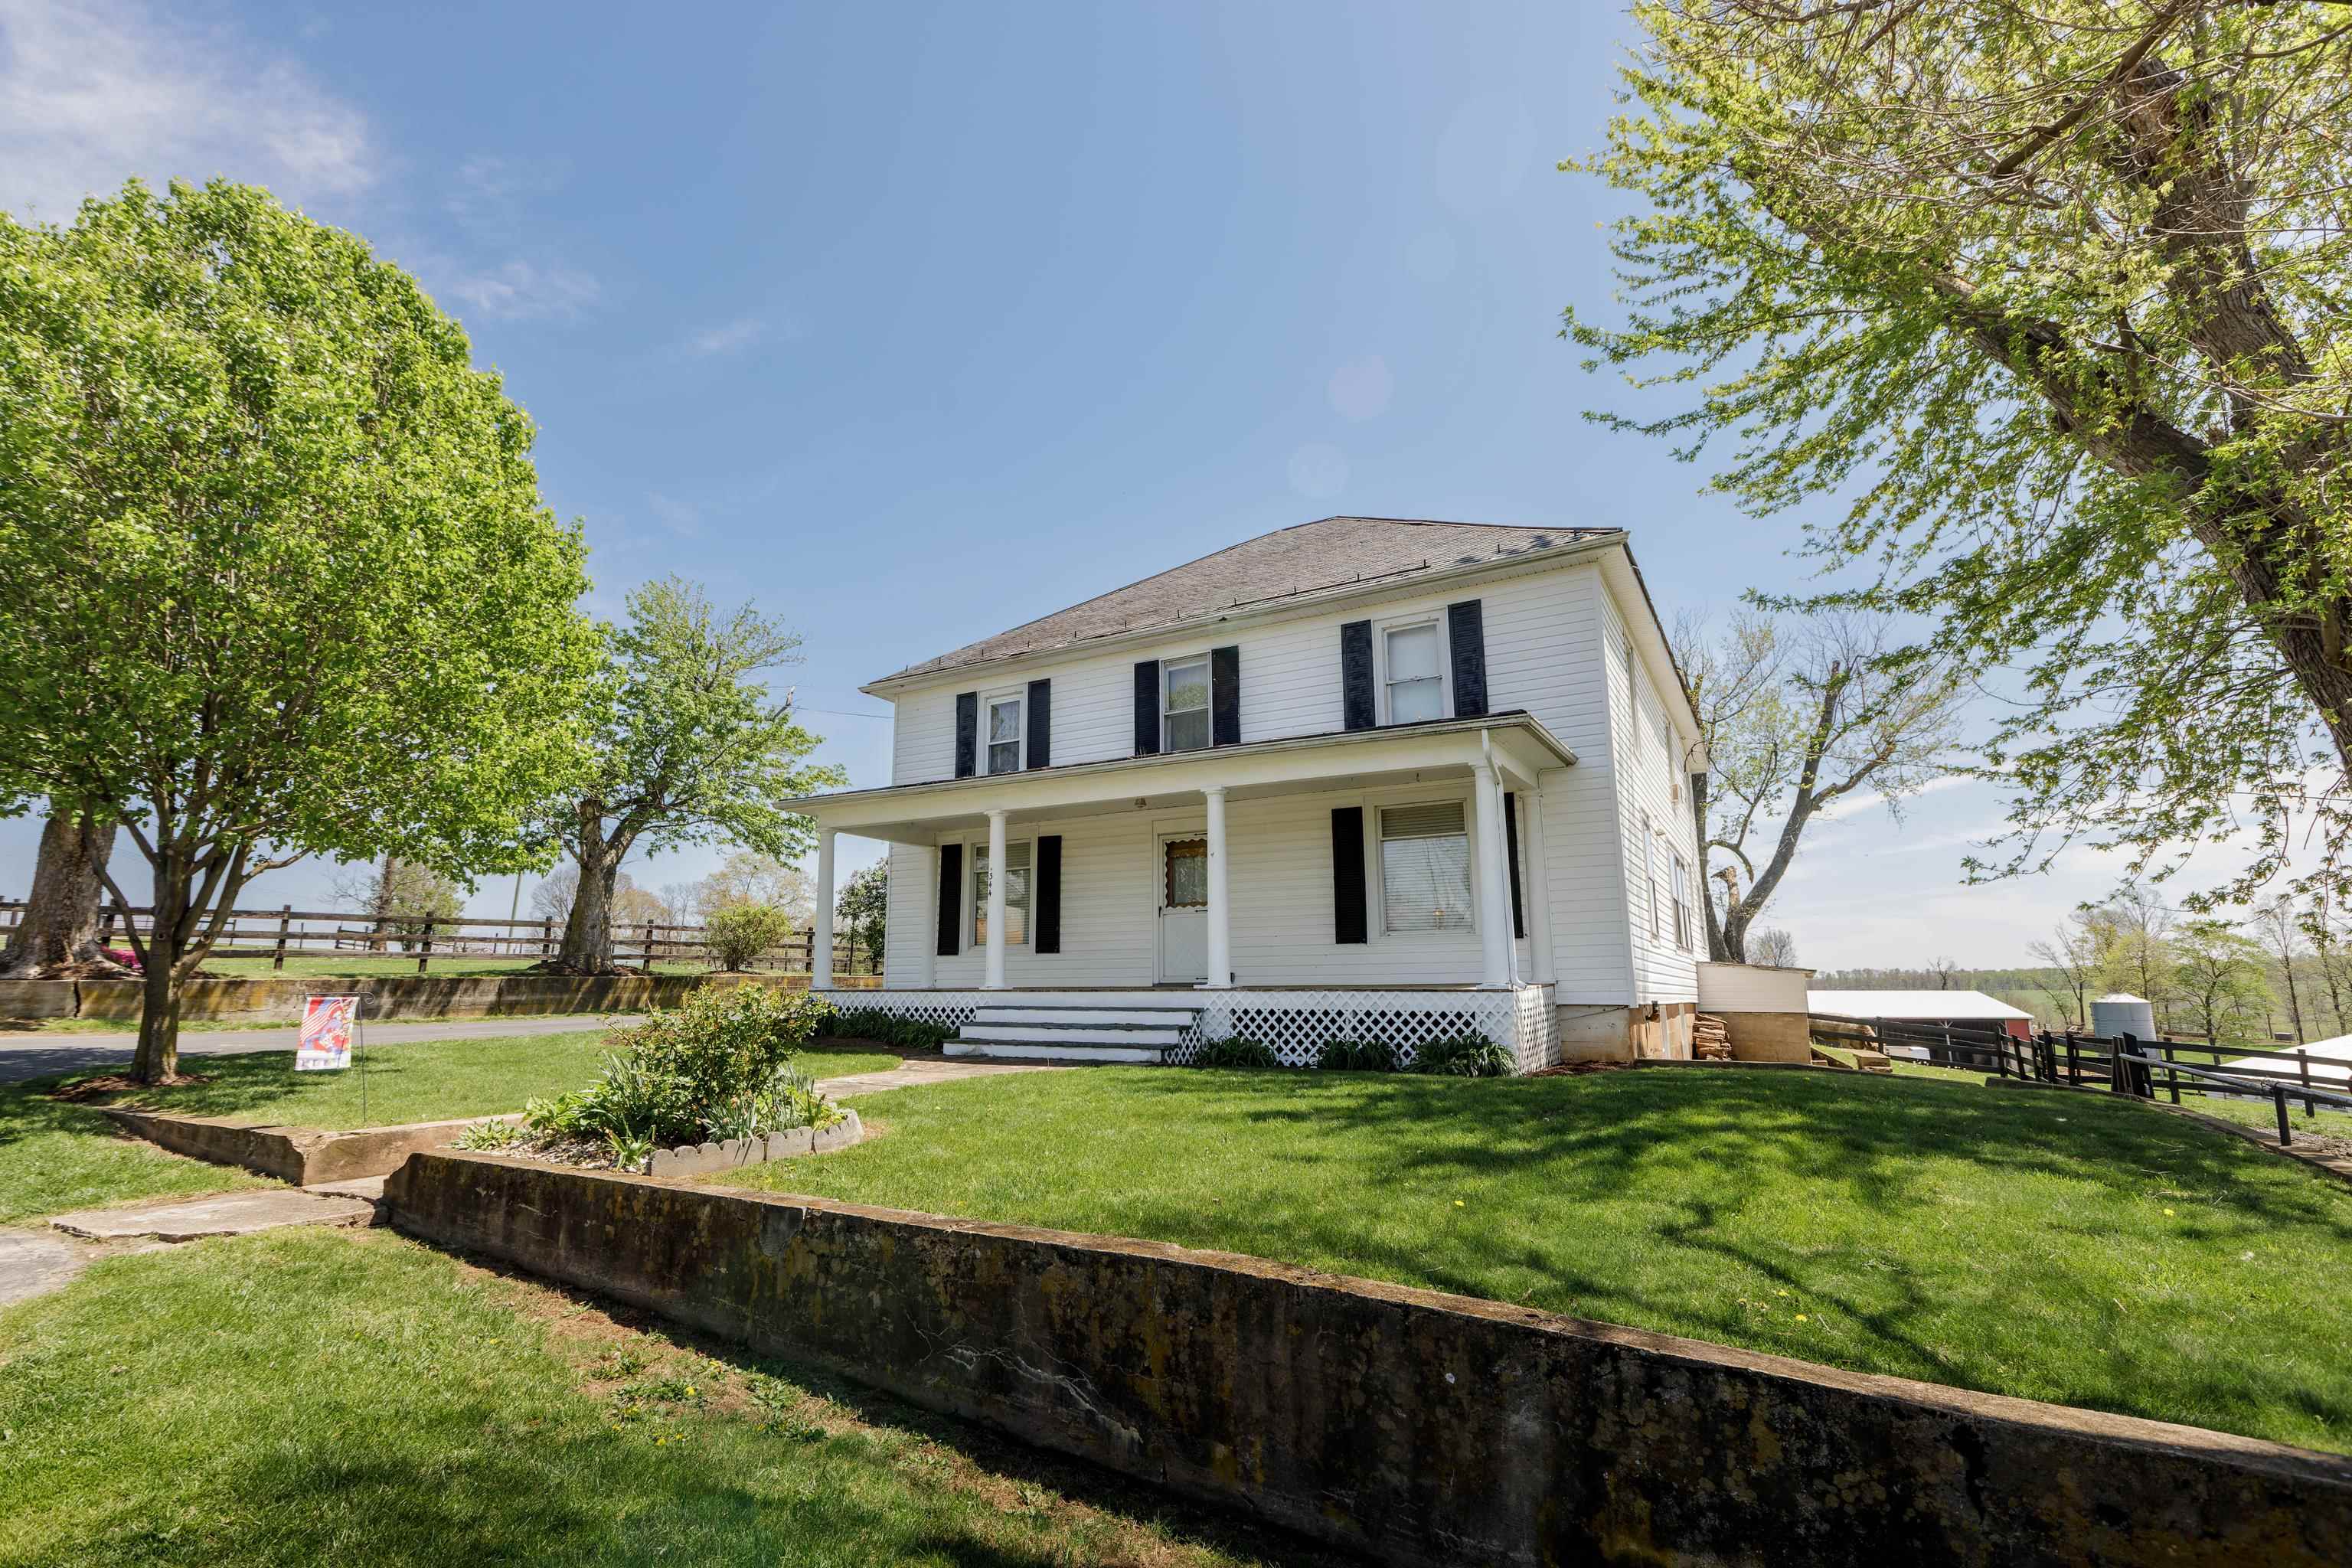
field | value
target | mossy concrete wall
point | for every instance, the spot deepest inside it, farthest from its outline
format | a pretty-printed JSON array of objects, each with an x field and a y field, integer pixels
[
  {"x": 385, "y": 998},
  {"x": 1421, "y": 1427}
]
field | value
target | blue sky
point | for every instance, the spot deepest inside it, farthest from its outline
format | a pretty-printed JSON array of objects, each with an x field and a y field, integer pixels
[{"x": 910, "y": 323}]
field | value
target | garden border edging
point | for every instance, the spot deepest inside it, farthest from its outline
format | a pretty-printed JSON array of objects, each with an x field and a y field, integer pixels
[
  {"x": 302, "y": 1156},
  {"x": 1424, "y": 1427}
]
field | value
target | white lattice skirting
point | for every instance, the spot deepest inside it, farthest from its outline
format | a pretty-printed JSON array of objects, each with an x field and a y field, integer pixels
[{"x": 1294, "y": 1023}]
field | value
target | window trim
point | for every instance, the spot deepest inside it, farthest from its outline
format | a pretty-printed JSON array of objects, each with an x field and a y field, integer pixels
[
  {"x": 974, "y": 906},
  {"x": 1207, "y": 710},
  {"x": 1650, "y": 875},
  {"x": 1382, "y": 712},
  {"x": 989, "y": 702},
  {"x": 1376, "y": 877},
  {"x": 1681, "y": 888}
]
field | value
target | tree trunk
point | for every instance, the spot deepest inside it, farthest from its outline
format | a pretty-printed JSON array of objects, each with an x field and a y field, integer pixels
[
  {"x": 588, "y": 933},
  {"x": 158, "y": 1057},
  {"x": 1717, "y": 949},
  {"x": 60, "y": 924},
  {"x": 2294, "y": 1000}
]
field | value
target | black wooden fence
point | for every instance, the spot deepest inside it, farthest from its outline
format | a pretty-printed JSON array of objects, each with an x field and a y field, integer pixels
[
  {"x": 2120, "y": 1064},
  {"x": 286, "y": 931}
]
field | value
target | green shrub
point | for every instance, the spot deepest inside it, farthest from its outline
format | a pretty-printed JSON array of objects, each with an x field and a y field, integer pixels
[
  {"x": 1358, "y": 1056},
  {"x": 1465, "y": 1056},
  {"x": 1239, "y": 1051},
  {"x": 489, "y": 1137},
  {"x": 740, "y": 934},
  {"x": 889, "y": 1029},
  {"x": 721, "y": 1059}
]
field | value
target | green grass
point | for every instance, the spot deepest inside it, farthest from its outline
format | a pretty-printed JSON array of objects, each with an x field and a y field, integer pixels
[
  {"x": 2057, "y": 1246},
  {"x": 306, "y": 1396},
  {"x": 57, "y": 1158},
  {"x": 418, "y": 1081},
  {"x": 130, "y": 1025},
  {"x": 2262, "y": 1113}
]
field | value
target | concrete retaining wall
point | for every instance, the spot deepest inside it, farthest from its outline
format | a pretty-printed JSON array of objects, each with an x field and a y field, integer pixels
[
  {"x": 301, "y": 1155},
  {"x": 1425, "y": 1428},
  {"x": 384, "y": 1000}
]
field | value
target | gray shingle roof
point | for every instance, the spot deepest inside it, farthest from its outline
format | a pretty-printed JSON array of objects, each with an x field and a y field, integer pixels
[{"x": 1331, "y": 554}]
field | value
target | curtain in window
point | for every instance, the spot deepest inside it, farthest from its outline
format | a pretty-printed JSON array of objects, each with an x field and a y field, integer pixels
[
  {"x": 1416, "y": 688},
  {"x": 1004, "y": 736},
  {"x": 1187, "y": 707},
  {"x": 1425, "y": 868},
  {"x": 1016, "y": 894}
]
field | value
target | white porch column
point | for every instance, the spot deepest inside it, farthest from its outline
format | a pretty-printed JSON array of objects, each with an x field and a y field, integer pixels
[
  {"x": 821, "y": 934},
  {"x": 1221, "y": 937},
  {"x": 1494, "y": 880},
  {"x": 1537, "y": 887},
  {"x": 995, "y": 979},
  {"x": 926, "y": 903}
]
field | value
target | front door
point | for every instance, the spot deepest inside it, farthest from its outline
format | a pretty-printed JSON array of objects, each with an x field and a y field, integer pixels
[{"x": 1183, "y": 909}]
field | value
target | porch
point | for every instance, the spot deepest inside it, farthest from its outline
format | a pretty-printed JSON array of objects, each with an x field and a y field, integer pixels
[
  {"x": 1294, "y": 849},
  {"x": 1166, "y": 1024}
]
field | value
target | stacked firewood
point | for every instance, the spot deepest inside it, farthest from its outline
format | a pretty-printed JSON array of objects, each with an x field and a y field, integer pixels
[{"x": 1710, "y": 1041}]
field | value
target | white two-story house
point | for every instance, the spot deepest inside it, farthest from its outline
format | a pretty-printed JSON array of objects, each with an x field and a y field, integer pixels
[{"x": 1363, "y": 778}]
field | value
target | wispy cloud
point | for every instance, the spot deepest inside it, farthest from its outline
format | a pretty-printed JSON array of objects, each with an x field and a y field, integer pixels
[
  {"x": 92, "y": 94},
  {"x": 524, "y": 290},
  {"x": 680, "y": 517},
  {"x": 740, "y": 333},
  {"x": 1870, "y": 800}
]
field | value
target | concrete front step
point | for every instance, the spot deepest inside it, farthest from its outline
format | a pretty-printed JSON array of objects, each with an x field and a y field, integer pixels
[
  {"x": 1060, "y": 1017},
  {"x": 1161, "y": 1035},
  {"x": 1057, "y": 1049}
]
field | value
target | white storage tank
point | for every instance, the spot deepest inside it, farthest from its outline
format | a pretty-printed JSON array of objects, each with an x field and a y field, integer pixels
[{"x": 2122, "y": 1013}]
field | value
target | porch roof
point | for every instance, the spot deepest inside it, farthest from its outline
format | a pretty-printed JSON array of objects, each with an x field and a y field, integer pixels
[{"x": 1519, "y": 746}]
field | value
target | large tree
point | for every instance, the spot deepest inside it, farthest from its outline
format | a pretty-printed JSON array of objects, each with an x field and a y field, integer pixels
[
  {"x": 690, "y": 749},
  {"x": 2051, "y": 296},
  {"x": 58, "y": 934},
  {"x": 1797, "y": 717},
  {"x": 275, "y": 575}
]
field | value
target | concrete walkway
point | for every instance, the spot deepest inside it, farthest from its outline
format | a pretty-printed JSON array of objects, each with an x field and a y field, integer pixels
[{"x": 25, "y": 1057}]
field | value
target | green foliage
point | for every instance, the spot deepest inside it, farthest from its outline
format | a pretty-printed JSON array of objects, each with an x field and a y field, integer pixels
[
  {"x": 722, "y": 1060},
  {"x": 275, "y": 575},
  {"x": 864, "y": 910},
  {"x": 889, "y": 1029},
  {"x": 1464, "y": 1056},
  {"x": 2048, "y": 300},
  {"x": 1358, "y": 1056},
  {"x": 491, "y": 1137},
  {"x": 689, "y": 749},
  {"x": 1234, "y": 1051},
  {"x": 739, "y": 933}
]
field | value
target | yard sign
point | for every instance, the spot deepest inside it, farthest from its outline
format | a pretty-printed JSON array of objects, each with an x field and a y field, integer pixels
[{"x": 327, "y": 1025}]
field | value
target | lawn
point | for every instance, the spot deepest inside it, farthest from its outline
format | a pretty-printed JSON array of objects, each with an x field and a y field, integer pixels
[
  {"x": 2057, "y": 1246},
  {"x": 422, "y": 1080},
  {"x": 56, "y": 1157},
  {"x": 309, "y": 1396}
]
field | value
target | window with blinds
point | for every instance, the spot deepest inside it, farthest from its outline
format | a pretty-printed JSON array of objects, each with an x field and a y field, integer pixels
[{"x": 1425, "y": 868}]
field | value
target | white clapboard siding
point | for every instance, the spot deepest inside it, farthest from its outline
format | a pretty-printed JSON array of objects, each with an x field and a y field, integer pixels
[
  {"x": 1551, "y": 634},
  {"x": 1664, "y": 970}
]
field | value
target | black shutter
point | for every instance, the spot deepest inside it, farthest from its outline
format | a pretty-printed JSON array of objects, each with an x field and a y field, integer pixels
[
  {"x": 1147, "y": 708},
  {"x": 1225, "y": 696},
  {"x": 1041, "y": 723},
  {"x": 1465, "y": 632},
  {"x": 1046, "y": 895},
  {"x": 1511, "y": 853},
  {"x": 1348, "y": 921},
  {"x": 1356, "y": 677},
  {"x": 967, "y": 733},
  {"x": 951, "y": 899}
]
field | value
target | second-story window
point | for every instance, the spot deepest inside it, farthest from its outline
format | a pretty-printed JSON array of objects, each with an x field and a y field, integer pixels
[
  {"x": 1003, "y": 743},
  {"x": 1184, "y": 704},
  {"x": 1415, "y": 678}
]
